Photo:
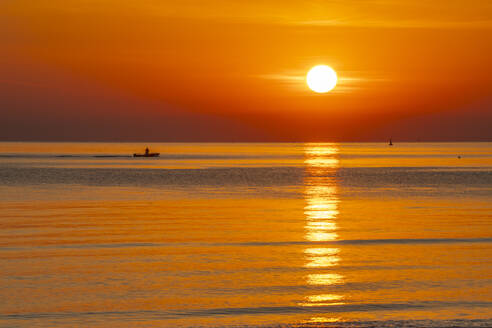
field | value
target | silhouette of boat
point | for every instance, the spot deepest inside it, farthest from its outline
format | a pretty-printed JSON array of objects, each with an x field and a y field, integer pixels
[
  {"x": 146, "y": 154},
  {"x": 390, "y": 143}
]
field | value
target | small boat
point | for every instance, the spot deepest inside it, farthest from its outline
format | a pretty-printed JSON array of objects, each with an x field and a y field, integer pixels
[
  {"x": 146, "y": 154},
  {"x": 390, "y": 143}
]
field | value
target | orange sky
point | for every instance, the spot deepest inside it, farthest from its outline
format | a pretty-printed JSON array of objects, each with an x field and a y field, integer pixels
[{"x": 234, "y": 70}]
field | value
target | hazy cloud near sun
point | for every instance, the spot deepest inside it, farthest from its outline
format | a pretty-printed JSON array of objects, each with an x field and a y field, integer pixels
[
  {"x": 347, "y": 81},
  {"x": 401, "y": 24}
]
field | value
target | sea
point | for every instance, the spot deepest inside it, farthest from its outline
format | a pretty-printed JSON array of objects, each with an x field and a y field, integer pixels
[{"x": 246, "y": 235}]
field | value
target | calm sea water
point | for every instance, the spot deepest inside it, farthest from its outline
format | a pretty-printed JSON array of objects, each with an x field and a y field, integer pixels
[{"x": 220, "y": 235}]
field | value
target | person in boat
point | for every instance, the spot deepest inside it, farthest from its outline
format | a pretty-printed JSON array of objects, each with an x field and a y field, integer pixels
[{"x": 147, "y": 153}]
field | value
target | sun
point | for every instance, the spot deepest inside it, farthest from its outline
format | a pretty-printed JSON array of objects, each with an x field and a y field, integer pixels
[{"x": 321, "y": 78}]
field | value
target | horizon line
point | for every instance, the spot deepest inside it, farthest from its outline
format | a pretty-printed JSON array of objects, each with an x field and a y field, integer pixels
[{"x": 246, "y": 141}]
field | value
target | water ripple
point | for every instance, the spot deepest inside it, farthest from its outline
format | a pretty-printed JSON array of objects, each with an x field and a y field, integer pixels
[
  {"x": 174, "y": 314},
  {"x": 368, "y": 242}
]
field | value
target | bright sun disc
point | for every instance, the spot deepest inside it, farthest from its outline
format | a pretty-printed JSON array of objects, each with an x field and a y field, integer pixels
[{"x": 321, "y": 78}]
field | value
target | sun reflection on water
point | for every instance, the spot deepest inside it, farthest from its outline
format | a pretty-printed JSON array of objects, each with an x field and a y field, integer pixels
[
  {"x": 322, "y": 261},
  {"x": 324, "y": 279},
  {"x": 322, "y": 320},
  {"x": 321, "y": 212}
]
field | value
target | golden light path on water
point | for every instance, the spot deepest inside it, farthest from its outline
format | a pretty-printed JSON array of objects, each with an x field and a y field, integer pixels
[{"x": 321, "y": 212}]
